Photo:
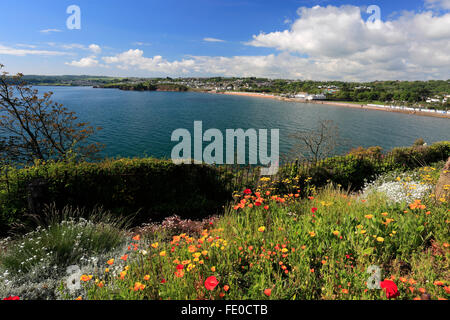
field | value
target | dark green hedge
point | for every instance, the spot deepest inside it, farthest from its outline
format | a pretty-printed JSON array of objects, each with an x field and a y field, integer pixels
[{"x": 151, "y": 188}]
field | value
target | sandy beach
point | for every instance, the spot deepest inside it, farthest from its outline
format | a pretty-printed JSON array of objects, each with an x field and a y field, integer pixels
[{"x": 341, "y": 104}]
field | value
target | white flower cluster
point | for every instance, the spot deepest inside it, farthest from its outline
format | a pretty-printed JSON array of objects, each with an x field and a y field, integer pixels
[
  {"x": 38, "y": 274},
  {"x": 44, "y": 281},
  {"x": 400, "y": 188}
]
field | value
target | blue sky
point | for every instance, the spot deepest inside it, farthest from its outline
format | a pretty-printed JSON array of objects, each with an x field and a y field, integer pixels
[{"x": 185, "y": 35}]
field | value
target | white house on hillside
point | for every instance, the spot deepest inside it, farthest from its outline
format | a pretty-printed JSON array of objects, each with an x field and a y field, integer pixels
[{"x": 319, "y": 96}]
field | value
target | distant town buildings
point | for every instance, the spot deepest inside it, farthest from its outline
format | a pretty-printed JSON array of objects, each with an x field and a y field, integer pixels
[
  {"x": 319, "y": 96},
  {"x": 438, "y": 99}
]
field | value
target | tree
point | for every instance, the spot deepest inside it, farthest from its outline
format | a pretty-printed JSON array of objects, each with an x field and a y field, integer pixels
[
  {"x": 446, "y": 105},
  {"x": 363, "y": 96},
  {"x": 373, "y": 95},
  {"x": 318, "y": 143},
  {"x": 35, "y": 127}
]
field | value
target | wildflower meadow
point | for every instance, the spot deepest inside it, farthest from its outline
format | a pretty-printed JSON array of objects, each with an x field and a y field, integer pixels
[{"x": 331, "y": 245}]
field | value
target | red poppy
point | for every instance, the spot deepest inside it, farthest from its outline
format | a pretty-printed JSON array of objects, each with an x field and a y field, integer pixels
[
  {"x": 12, "y": 298},
  {"x": 247, "y": 191},
  {"x": 390, "y": 288},
  {"x": 137, "y": 238},
  {"x": 211, "y": 283},
  {"x": 180, "y": 267},
  {"x": 268, "y": 292},
  {"x": 313, "y": 210}
]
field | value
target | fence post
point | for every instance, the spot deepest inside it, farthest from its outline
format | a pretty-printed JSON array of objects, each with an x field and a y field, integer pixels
[
  {"x": 37, "y": 195},
  {"x": 7, "y": 181}
]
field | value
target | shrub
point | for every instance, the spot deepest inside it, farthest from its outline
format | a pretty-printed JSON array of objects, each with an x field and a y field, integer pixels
[
  {"x": 154, "y": 189},
  {"x": 419, "y": 142},
  {"x": 417, "y": 156},
  {"x": 354, "y": 170},
  {"x": 374, "y": 152}
]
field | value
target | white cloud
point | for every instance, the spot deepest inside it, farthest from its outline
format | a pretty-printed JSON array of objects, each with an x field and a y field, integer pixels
[
  {"x": 135, "y": 58},
  {"x": 23, "y": 45},
  {"x": 272, "y": 65},
  {"x": 23, "y": 52},
  {"x": 213, "y": 40},
  {"x": 50, "y": 30},
  {"x": 415, "y": 44},
  {"x": 141, "y": 44},
  {"x": 325, "y": 43},
  {"x": 441, "y": 4},
  {"x": 70, "y": 46},
  {"x": 84, "y": 62},
  {"x": 95, "y": 48},
  {"x": 283, "y": 65},
  {"x": 329, "y": 31}
]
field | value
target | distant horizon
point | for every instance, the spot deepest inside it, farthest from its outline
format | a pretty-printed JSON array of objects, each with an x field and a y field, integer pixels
[{"x": 218, "y": 76}]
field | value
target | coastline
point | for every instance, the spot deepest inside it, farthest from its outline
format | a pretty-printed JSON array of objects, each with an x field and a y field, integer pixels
[
  {"x": 339, "y": 104},
  {"x": 320, "y": 102}
]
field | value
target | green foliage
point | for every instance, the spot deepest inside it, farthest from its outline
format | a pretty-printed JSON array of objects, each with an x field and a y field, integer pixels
[
  {"x": 66, "y": 238},
  {"x": 33, "y": 126},
  {"x": 145, "y": 188},
  {"x": 395, "y": 92},
  {"x": 421, "y": 155},
  {"x": 372, "y": 152},
  {"x": 419, "y": 142},
  {"x": 361, "y": 165},
  {"x": 146, "y": 86}
]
